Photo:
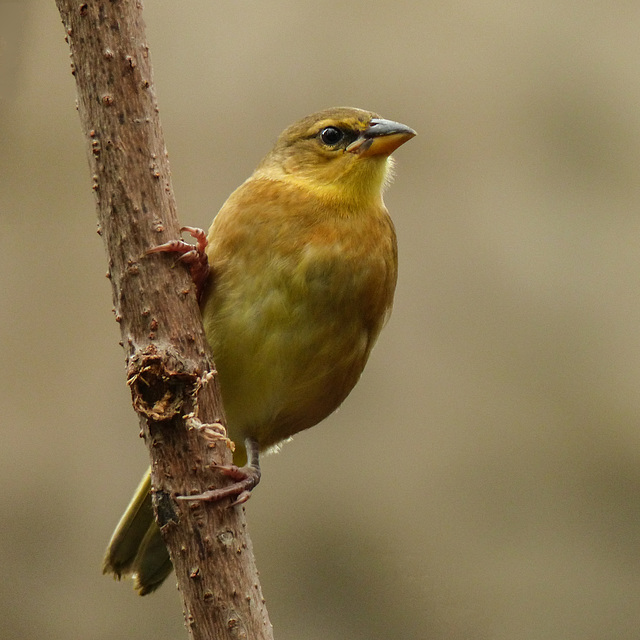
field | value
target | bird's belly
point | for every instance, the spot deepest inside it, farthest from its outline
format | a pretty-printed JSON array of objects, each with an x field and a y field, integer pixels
[{"x": 289, "y": 348}]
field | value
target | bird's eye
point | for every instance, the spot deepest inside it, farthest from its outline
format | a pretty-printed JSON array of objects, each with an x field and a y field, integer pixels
[{"x": 331, "y": 135}]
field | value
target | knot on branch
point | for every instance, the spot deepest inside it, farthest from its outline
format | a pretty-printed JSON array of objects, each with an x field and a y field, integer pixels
[
  {"x": 162, "y": 385},
  {"x": 164, "y": 508}
]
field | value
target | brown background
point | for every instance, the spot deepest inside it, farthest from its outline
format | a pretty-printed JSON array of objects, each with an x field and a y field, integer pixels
[{"x": 483, "y": 480}]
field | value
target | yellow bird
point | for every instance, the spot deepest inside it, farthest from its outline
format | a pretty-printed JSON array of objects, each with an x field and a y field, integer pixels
[{"x": 304, "y": 263}]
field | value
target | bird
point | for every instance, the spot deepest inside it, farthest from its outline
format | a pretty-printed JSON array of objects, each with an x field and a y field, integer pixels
[{"x": 303, "y": 267}]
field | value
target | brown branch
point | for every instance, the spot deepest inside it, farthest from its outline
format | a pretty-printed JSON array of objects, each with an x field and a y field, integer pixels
[{"x": 168, "y": 360}]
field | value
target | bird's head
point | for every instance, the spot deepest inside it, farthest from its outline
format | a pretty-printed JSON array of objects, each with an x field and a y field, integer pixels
[{"x": 340, "y": 154}]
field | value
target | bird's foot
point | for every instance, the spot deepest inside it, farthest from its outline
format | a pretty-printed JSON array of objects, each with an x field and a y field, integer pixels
[
  {"x": 246, "y": 478},
  {"x": 193, "y": 255}
]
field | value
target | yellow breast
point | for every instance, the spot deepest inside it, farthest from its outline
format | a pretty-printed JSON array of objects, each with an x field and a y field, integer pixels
[{"x": 299, "y": 293}]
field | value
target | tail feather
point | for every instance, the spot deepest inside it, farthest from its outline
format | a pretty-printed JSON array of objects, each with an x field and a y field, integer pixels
[{"x": 136, "y": 547}]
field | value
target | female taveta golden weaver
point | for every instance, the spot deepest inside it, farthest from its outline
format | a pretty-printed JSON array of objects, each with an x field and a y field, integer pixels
[{"x": 303, "y": 263}]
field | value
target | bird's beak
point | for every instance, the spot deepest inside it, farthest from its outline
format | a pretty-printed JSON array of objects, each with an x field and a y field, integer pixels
[{"x": 380, "y": 138}]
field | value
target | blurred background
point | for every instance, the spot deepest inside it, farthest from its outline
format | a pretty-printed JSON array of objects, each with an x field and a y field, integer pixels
[{"x": 483, "y": 479}]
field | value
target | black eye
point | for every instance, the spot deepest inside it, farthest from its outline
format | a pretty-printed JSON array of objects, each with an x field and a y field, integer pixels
[{"x": 331, "y": 135}]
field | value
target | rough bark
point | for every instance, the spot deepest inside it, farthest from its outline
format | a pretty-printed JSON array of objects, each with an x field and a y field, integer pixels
[{"x": 169, "y": 367}]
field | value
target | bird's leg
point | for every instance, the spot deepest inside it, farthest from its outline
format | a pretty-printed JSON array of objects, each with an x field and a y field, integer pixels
[
  {"x": 193, "y": 255},
  {"x": 246, "y": 478}
]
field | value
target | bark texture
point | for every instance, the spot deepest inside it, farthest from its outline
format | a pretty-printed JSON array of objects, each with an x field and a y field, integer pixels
[{"x": 169, "y": 367}]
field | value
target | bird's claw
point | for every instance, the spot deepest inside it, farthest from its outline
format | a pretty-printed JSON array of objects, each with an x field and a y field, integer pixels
[
  {"x": 193, "y": 255},
  {"x": 246, "y": 478}
]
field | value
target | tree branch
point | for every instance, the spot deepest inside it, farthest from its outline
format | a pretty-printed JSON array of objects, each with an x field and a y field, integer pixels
[{"x": 169, "y": 366}]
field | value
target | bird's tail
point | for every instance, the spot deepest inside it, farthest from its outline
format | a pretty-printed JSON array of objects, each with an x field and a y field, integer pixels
[{"x": 136, "y": 547}]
